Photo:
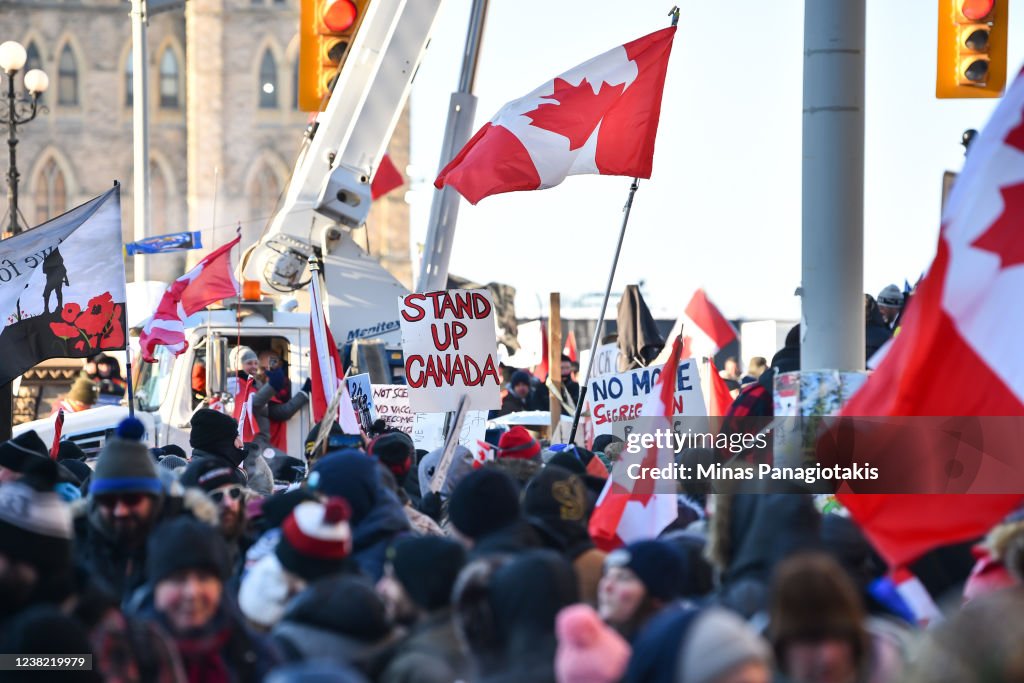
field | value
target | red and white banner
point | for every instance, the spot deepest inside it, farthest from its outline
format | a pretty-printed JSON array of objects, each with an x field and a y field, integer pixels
[
  {"x": 599, "y": 118},
  {"x": 248, "y": 428},
  {"x": 326, "y": 372},
  {"x": 211, "y": 280},
  {"x": 966, "y": 319},
  {"x": 704, "y": 329}
]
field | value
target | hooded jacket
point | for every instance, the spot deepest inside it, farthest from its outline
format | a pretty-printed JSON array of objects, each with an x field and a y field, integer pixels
[{"x": 429, "y": 654}]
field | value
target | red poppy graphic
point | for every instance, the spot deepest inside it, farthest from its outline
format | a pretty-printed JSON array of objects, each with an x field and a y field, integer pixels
[{"x": 97, "y": 326}]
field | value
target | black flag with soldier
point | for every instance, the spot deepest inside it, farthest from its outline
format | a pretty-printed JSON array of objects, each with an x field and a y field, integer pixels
[{"x": 62, "y": 288}]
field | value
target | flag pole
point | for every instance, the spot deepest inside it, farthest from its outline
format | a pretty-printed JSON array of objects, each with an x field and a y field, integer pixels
[{"x": 600, "y": 319}]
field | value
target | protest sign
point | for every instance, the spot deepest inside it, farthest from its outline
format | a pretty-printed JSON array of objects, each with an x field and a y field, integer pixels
[
  {"x": 391, "y": 403},
  {"x": 450, "y": 350},
  {"x": 619, "y": 398},
  {"x": 428, "y": 429},
  {"x": 360, "y": 391}
]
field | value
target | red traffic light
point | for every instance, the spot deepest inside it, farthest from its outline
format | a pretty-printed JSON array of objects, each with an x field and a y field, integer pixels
[
  {"x": 976, "y": 10},
  {"x": 339, "y": 15}
]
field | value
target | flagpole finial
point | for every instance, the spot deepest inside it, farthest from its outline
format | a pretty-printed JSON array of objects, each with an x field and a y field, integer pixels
[
  {"x": 314, "y": 264},
  {"x": 674, "y": 13}
]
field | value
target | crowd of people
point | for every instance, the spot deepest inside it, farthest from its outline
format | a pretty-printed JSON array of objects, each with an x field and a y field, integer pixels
[{"x": 365, "y": 559}]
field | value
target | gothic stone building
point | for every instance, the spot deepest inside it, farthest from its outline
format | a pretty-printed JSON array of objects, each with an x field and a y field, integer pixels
[{"x": 224, "y": 127}]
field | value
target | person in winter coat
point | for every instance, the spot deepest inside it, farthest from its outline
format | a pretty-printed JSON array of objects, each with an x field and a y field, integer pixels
[
  {"x": 484, "y": 510},
  {"x": 226, "y": 488},
  {"x": 876, "y": 330},
  {"x": 639, "y": 580},
  {"x": 315, "y": 541},
  {"x": 818, "y": 626},
  {"x": 377, "y": 515},
  {"x": 521, "y": 395},
  {"x": 505, "y": 613},
  {"x": 557, "y": 505},
  {"x": 396, "y": 453},
  {"x": 268, "y": 403},
  {"x": 340, "y": 619},
  {"x": 416, "y": 588},
  {"x": 215, "y": 435},
  {"x": 126, "y": 499},
  {"x": 187, "y": 566}
]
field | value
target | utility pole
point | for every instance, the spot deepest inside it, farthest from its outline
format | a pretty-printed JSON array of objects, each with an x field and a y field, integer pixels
[
  {"x": 140, "y": 133},
  {"x": 832, "y": 329},
  {"x": 444, "y": 209}
]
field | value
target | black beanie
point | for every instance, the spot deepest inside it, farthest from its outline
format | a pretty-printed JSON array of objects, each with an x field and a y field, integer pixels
[
  {"x": 343, "y": 604},
  {"x": 211, "y": 473},
  {"x": 348, "y": 474},
  {"x": 659, "y": 566},
  {"x": 215, "y": 433},
  {"x": 427, "y": 568},
  {"x": 69, "y": 450},
  {"x": 486, "y": 500},
  {"x": 395, "y": 451},
  {"x": 18, "y": 452},
  {"x": 184, "y": 542}
]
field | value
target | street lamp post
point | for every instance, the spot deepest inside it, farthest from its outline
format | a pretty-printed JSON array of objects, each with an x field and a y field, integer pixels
[{"x": 20, "y": 110}]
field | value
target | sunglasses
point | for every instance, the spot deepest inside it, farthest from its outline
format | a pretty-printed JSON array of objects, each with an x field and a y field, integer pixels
[
  {"x": 129, "y": 499},
  {"x": 234, "y": 493}
]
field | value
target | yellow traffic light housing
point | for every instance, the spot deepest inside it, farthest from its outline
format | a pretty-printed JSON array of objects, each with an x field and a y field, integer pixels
[
  {"x": 971, "y": 56},
  {"x": 326, "y": 30}
]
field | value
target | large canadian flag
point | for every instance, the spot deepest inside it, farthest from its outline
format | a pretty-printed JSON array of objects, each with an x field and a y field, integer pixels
[
  {"x": 631, "y": 509},
  {"x": 326, "y": 371},
  {"x": 703, "y": 327},
  {"x": 959, "y": 351},
  {"x": 598, "y": 118},
  {"x": 211, "y": 280}
]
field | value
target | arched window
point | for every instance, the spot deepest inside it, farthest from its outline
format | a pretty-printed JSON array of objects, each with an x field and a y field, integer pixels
[
  {"x": 263, "y": 193},
  {"x": 170, "y": 83},
  {"x": 51, "y": 194},
  {"x": 129, "y": 79},
  {"x": 268, "y": 81},
  {"x": 67, "y": 78}
]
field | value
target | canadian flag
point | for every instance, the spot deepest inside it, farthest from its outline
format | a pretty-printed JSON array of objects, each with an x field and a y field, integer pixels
[
  {"x": 326, "y": 374},
  {"x": 632, "y": 509},
  {"x": 719, "y": 396},
  {"x": 211, "y": 280},
  {"x": 966, "y": 319},
  {"x": 704, "y": 329},
  {"x": 600, "y": 117},
  {"x": 248, "y": 428}
]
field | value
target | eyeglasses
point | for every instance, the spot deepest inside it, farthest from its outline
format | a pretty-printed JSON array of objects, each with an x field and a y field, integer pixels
[
  {"x": 234, "y": 493},
  {"x": 128, "y": 499}
]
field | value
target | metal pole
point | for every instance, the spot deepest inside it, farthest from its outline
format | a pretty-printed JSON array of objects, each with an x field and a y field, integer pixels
[
  {"x": 140, "y": 133},
  {"x": 833, "y": 186},
  {"x": 444, "y": 208},
  {"x": 604, "y": 304},
  {"x": 12, "y": 168}
]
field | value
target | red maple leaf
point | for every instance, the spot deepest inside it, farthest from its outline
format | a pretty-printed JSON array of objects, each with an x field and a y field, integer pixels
[
  {"x": 1004, "y": 237},
  {"x": 1015, "y": 138},
  {"x": 578, "y": 110}
]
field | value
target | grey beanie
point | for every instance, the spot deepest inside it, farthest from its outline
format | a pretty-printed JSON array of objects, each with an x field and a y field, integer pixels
[
  {"x": 125, "y": 465},
  {"x": 240, "y": 355},
  {"x": 718, "y": 642},
  {"x": 890, "y": 296}
]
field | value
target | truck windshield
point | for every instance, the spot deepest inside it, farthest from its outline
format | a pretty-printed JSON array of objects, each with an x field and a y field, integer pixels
[{"x": 154, "y": 378}]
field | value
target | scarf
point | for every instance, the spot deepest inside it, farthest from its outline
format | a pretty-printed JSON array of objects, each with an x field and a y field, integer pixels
[{"x": 201, "y": 651}]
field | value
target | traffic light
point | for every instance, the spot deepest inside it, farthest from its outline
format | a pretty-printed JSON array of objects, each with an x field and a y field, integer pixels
[
  {"x": 971, "y": 55},
  {"x": 326, "y": 30}
]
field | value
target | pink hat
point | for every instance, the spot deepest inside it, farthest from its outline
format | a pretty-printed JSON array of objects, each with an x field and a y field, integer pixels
[{"x": 588, "y": 650}]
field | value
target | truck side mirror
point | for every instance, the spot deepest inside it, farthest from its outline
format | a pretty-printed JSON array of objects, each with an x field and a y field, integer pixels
[{"x": 216, "y": 364}]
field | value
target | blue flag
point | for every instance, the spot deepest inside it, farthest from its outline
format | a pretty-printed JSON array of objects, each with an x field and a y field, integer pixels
[{"x": 179, "y": 241}]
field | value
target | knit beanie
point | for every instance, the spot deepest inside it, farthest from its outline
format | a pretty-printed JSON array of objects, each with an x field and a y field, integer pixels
[
  {"x": 124, "y": 465},
  {"x": 485, "y": 501},
  {"x": 658, "y": 565},
  {"x": 890, "y": 296},
  {"x": 519, "y": 377},
  {"x": 427, "y": 568},
  {"x": 69, "y": 450},
  {"x": 395, "y": 451},
  {"x": 348, "y": 474},
  {"x": 316, "y": 538},
  {"x": 718, "y": 642},
  {"x": 16, "y": 454},
  {"x": 241, "y": 355},
  {"x": 79, "y": 469},
  {"x": 209, "y": 474},
  {"x": 588, "y": 650},
  {"x": 183, "y": 542},
  {"x": 215, "y": 433},
  {"x": 518, "y": 443},
  {"x": 35, "y": 524},
  {"x": 84, "y": 390},
  {"x": 172, "y": 462}
]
